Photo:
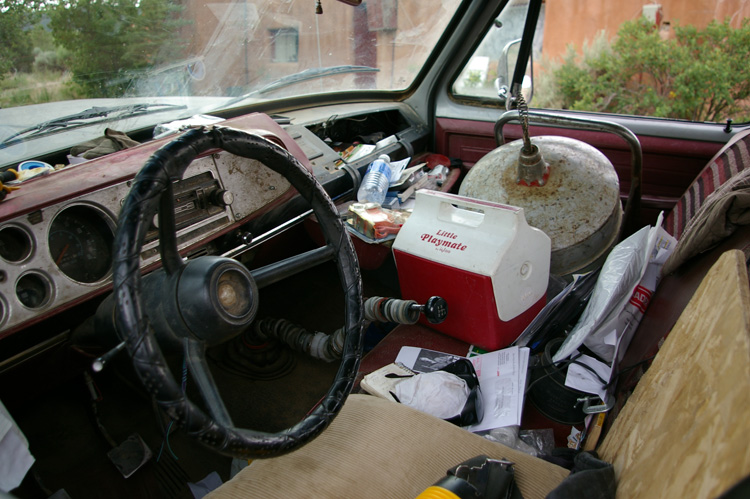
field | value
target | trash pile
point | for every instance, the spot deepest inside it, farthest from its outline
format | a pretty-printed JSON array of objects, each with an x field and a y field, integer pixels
[{"x": 385, "y": 197}]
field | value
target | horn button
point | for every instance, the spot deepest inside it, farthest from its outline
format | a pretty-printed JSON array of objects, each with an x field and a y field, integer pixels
[
  {"x": 217, "y": 298},
  {"x": 233, "y": 294}
]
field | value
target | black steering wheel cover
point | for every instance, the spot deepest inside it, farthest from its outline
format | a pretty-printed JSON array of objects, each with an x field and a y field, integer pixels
[{"x": 166, "y": 165}]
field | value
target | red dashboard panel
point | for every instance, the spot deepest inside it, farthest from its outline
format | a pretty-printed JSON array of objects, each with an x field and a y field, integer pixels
[
  {"x": 108, "y": 170},
  {"x": 56, "y": 229}
]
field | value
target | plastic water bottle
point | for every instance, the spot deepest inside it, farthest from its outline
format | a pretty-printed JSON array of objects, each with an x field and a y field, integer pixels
[{"x": 375, "y": 184}]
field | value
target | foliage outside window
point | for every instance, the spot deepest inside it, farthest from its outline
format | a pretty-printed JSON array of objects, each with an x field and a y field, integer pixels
[
  {"x": 74, "y": 47},
  {"x": 17, "y": 49},
  {"x": 697, "y": 75},
  {"x": 690, "y": 74},
  {"x": 57, "y": 50},
  {"x": 105, "y": 38}
]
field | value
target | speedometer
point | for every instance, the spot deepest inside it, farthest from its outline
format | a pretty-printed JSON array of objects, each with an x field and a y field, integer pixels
[{"x": 80, "y": 243}]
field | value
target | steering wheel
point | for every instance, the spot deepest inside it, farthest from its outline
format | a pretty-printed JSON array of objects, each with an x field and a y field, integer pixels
[{"x": 210, "y": 299}]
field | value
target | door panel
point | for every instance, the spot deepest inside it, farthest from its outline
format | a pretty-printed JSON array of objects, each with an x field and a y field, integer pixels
[{"x": 669, "y": 164}]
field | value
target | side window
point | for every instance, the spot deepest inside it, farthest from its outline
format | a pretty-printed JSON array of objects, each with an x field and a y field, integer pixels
[
  {"x": 489, "y": 70},
  {"x": 678, "y": 60}
]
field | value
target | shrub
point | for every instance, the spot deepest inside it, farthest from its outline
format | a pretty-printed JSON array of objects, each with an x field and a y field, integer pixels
[
  {"x": 110, "y": 42},
  {"x": 698, "y": 75},
  {"x": 51, "y": 60},
  {"x": 16, "y": 54}
]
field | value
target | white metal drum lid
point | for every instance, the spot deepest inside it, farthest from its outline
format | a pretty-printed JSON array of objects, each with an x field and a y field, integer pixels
[{"x": 579, "y": 197}]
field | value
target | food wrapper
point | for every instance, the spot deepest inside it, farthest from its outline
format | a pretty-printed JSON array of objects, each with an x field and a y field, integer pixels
[{"x": 374, "y": 221}]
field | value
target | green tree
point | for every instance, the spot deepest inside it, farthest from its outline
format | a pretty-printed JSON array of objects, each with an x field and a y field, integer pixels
[
  {"x": 698, "y": 75},
  {"x": 111, "y": 42},
  {"x": 16, "y": 18}
]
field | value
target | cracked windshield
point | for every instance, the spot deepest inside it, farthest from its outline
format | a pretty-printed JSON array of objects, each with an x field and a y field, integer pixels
[{"x": 72, "y": 65}]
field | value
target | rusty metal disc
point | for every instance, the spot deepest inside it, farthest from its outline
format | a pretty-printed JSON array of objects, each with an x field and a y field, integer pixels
[{"x": 578, "y": 207}]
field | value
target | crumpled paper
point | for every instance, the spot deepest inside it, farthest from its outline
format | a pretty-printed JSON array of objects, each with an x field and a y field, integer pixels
[{"x": 438, "y": 393}]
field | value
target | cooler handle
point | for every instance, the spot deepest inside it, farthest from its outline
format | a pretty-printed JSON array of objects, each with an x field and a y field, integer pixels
[{"x": 449, "y": 208}]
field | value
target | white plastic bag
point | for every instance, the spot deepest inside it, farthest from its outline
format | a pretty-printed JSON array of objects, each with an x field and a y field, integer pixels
[
  {"x": 623, "y": 325},
  {"x": 608, "y": 317},
  {"x": 621, "y": 272}
]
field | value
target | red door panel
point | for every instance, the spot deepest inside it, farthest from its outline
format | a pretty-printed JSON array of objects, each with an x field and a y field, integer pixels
[{"x": 669, "y": 165}]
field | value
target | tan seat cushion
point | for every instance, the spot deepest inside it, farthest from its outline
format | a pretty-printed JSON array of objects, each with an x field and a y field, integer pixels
[{"x": 377, "y": 448}]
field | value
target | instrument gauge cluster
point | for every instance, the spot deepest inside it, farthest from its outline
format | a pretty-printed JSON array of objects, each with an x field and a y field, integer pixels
[
  {"x": 57, "y": 230},
  {"x": 54, "y": 255}
]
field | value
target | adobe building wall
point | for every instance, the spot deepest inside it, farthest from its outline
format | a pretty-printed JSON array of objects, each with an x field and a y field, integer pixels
[{"x": 579, "y": 21}]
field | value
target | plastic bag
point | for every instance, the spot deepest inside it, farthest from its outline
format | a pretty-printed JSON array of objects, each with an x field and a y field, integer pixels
[
  {"x": 619, "y": 276},
  {"x": 534, "y": 442},
  {"x": 607, "y": 316},
  {"x": 375, "y": 222},
  {"x": 612, "y": 338},
  {"x": 559, "y": 313}
]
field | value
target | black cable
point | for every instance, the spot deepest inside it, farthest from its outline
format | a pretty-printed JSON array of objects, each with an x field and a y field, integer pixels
[
  {"x": 526, "y": 47},
  {"x": 564, "y": 362},
  {"x": 626, "y": 369}
]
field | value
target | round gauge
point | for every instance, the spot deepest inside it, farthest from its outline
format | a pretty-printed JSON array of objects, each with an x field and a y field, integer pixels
[
  {"x": 33, "y": 290},
  {"x": 80, "y": 243},
  {"x": 15, "y": 244}
]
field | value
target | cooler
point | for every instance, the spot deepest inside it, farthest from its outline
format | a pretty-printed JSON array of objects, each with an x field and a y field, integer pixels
[{"x": 482, "y": 257}]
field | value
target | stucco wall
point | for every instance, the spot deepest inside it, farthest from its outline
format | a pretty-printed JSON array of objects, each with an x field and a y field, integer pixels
[{"x": 579, "y": 21}]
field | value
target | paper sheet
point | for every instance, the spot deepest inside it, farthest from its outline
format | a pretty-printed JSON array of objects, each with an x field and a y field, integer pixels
[
  {"x": 15, "y": 458},
  {"x": 397, "y": 169},
  {"x": 502, "y": 377},
  {"x": 422, "y": 360},
  {"x": 584, "y": 380}
]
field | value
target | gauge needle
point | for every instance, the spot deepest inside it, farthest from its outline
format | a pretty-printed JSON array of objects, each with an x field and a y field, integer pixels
[{"x": 62, "y": 254}]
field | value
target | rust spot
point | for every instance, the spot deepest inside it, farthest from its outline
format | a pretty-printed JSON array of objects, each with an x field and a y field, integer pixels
[{"x": 518, "y": 192}]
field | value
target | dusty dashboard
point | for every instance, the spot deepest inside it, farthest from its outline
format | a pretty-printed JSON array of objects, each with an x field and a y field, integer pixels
[{"x": 57, "y": 231}]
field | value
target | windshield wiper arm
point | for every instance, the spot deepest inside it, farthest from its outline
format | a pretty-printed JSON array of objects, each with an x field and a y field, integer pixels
[
  {"x": 80, "y": 119},
  {"x": 312, "y": 73},
  {"x": 307, "y": 74}
]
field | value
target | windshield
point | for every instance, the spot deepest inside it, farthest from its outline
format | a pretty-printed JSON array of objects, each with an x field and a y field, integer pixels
[{"x": 65, "y": 60}]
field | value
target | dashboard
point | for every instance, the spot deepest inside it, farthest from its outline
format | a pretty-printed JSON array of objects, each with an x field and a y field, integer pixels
[
  {"x": 57, "y": 230},
  {"x": 59, "y": 252}
]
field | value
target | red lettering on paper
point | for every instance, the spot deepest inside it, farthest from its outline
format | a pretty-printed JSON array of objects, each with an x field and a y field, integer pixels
[{"x": 641, "y": 297}]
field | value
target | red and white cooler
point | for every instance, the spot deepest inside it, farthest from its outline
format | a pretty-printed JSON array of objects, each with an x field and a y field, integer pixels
[{"x": 491, "y": 267}]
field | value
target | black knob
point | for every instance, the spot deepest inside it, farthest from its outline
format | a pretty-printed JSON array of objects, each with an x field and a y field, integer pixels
[
  {"x": 435, "y": 310},
  {"x": 220, "y": 197}
]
